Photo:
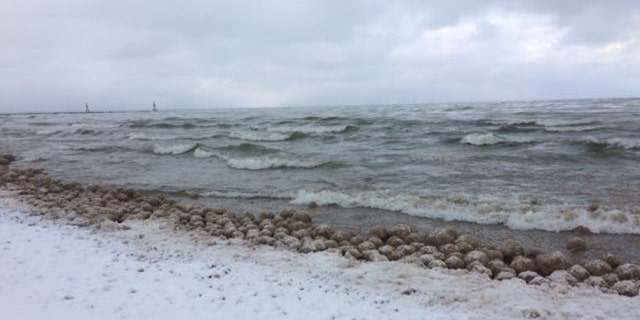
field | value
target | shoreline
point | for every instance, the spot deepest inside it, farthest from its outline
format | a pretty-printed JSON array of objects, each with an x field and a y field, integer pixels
[
  {"x": 150, "y": 269},
  {"x": 110, "y": 207},
  {"x": 625, "y": 246}
]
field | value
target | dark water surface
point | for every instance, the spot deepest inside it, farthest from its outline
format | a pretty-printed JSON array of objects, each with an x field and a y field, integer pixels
[{"x": 499, "y": 166}]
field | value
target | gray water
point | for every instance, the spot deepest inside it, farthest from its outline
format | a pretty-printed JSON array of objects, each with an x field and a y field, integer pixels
[{"x": 524, "y": 165}]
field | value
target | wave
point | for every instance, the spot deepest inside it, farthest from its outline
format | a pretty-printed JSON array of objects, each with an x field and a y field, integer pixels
[
  {"x": 248, "y": 195},
  {"x": 314, "y": 129},
  {"x": 262, "y": 163},
  {"x": 248, "y": 148},
  {"x": 202, "y": 153},
  {"x": 316, "y": 118},
  {"x": 66, "y": 131},
  {"x": 261, "y": 136},
  {"x": 231, "y": 151},
  {"x": 162, "y": 125},
  {"x": 573, "y": 128},
  {"x": 482, "y": 139},
  {"x": 514, "y": 216},
  {"x": 596, "y": 145},
  {"x": 175, "y": 148},
  {"x": 520, "y": 127},
  {"x": 566, "y": 123},
  {"x": 548, "y": 125},
  {"x": 145, "y": 136},
  {"x": 105, "y": 149},
  {"x": 45, "y": 132},
  {"x": 486, "y": 139}
]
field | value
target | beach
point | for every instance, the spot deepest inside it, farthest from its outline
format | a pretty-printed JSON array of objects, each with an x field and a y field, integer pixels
[
  {"x": 488, "y": 210},
  {"x": 320, "y": 160},
  {"x": 55, "y": 271},
  {"x": 141, "y": 256}
]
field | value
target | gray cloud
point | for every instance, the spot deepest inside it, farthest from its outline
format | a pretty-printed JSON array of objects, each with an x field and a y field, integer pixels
[{"x": 196, "y": 54}]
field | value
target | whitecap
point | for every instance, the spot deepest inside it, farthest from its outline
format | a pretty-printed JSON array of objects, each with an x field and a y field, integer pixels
[
  {"x": 261, "y": 163},
  {"x": 201, "y": 153},
  {"x": 248, "y": 195},
  {"x": 572, "y": 128},
  {"x": 622, "y": 143},
  {"x": 310, "y": 129},
  {"x": 144, "y": 136},
  {"x": 518, "y": 216},
  {"x": 47, "y": 131},
  {"x": 174, "y": 148},
  {"x": 260, "y": 136},
  {"x": 482, "y": 139}
]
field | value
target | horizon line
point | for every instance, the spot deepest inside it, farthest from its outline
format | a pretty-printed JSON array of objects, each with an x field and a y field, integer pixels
[{"x": 328, "y": 105}]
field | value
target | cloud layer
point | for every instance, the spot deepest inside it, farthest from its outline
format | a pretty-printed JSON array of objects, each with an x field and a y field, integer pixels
[{"x": 203, "y": 54}]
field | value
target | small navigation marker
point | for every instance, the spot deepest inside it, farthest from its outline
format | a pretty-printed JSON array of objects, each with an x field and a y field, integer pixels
[
  {"x": 154, "y": 107},
  {"x": 86, "y": 108}
]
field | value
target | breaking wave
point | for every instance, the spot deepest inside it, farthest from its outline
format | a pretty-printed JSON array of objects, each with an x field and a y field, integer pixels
[
  {"x": 573, "y": 128},
  {"x": 313, "y": 129},
  {"x": 515, "y": 216},
  {"x": 486, "y": 139},
  {"x": 69, "y": 130},
  {"x": 175, "y": 148},
  {"x": 595, "y": 144},
  {"x": 482, "y": 139},
  {"x": 520, "y": 127},
  {"x": 202, "y": 153},
  {"x": 261, "y": 136},
  {"x": 144, "y": 136},
  {"x": 248, "y": 195},
  {"x": 262, "y": 163}
]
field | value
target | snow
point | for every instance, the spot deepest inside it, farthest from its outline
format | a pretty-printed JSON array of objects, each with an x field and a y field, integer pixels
[{"x": 151, "y": 271}]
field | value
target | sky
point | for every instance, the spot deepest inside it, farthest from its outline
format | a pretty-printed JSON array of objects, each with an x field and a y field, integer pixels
[{"x": 122, "y": 54}]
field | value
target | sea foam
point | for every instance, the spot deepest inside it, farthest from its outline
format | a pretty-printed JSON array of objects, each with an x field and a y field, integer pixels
[
  {"x": 261, "y": 163},
  {"x": 482, "y": 139},
  {"x": 261, "y": 136},
  {"x": 514, "y": 215},
  {"x": 614, "y": 143},
  {"x": 145, "y": 136},
  {"x": 311, "y": 129}
]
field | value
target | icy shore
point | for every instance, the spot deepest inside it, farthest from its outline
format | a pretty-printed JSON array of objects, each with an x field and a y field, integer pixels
[{"x": 55, "y": 271}]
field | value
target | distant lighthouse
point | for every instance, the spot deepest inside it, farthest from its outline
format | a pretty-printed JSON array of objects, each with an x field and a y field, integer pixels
[
  {"x": 86, "y": 108},
  {"x": 154, "y": 107}
]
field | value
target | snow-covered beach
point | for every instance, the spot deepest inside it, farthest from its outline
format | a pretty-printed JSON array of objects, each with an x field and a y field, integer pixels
[{"x": 56, "y": 271}]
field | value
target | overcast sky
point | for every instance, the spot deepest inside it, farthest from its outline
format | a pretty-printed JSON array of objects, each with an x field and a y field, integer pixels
[{"x": 123, "y": 54}]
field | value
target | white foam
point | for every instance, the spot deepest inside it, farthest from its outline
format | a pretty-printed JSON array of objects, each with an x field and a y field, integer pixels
[
  {"x": 144, "y": 136},
  {"x": 310, "y": 129},
  {"x": 174, "y": 148},
  {"x": 261, "y": 163},
  {"x": 514, "y": 215},
  {"x": 482, "y": 139},
  {"x": 260, "y": 135},
  {"x": 248, "y": 195},
  {"x": 624, "y": 143},
  {"x": 572, "y": 128},
  {"x": 47, "y": 131},
  {"x": 201, "y": 153},
  {"x": 562, "y": 123}
]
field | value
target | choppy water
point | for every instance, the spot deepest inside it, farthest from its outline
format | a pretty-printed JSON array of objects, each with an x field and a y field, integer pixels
[{"x": 528, "y": 165}]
